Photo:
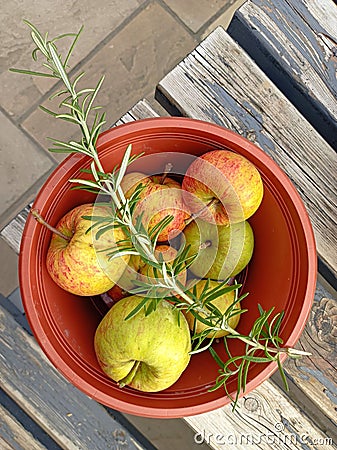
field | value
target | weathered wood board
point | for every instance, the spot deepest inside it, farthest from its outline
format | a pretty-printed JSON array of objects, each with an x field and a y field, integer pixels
[
  {"x": 14, "y": 436},
  {"x": 264, "y": 420},
  {"x": 12, "y": 232},
  {"x": 219, "y": 82},
  {"x": 141, "y": 110},
  {"x": 68, "y": 416},
  {"x": 315, "y": 376},
  {"x": 295, "y": 43}
]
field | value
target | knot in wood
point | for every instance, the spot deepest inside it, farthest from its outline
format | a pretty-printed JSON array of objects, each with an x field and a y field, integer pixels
[
  {"x": 251, "y": 404},
  {"x": 250, "y": 135},
  {"x": 325, "y": 320},
  {"x": 120, "y": 436}
]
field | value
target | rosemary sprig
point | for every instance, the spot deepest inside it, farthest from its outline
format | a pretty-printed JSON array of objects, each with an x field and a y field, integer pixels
[{"x": 263, "y": 344}]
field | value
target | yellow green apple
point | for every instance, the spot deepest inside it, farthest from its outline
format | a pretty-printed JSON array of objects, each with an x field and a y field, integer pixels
[
  {"x": 222, "y": 303},
  {"x": 222, "y": 251},
  {"x": 147, "y": 352}
]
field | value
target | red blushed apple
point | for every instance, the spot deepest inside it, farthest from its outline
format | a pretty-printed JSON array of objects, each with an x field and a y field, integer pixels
[
  {"x": 222, "y": 187},
  {"x": 161, "y": 196},
  {"x": 74, "y": 258}
]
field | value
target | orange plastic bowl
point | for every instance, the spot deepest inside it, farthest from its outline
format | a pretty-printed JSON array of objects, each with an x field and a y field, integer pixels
[{"x": 282, "y": 272}]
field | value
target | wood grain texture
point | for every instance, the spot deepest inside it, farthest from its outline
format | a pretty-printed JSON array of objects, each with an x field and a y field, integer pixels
[
  {"x": 68, "y": 416},
  {"x": 295, "y": 43},
  {"x": 12, "y": 232},
  {"x": 316, "y": 375},
  {"x": 265, "y": 419},
  {"x": 13, "y": 436},
  {"x": 141, "y": 110},
  {"x": 219, "y": 83}
]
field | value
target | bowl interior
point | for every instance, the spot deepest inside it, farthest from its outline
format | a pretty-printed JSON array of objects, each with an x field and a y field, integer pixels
[{"x": 280, "y": 273}]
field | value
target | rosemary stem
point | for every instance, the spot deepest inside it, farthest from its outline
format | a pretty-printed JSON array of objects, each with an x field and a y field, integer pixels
[
  {"x": 257, "y": 346},
  {"x": 147, "y": 248}
]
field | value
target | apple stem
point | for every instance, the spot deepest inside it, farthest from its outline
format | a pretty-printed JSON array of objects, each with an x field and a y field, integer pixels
[
  {"x": 35, "y": 213},
  {"x": 167, "y": 170},
  {"x": 205, "y": 244},
  {"x": 197, "y": 214},
  {"x": 129, "y": 377}
]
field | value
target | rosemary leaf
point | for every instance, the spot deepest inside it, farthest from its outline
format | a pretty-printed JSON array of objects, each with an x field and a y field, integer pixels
[
  {"x": 59, "y": 66},
  {"x": 141, "y": 305},
  {"x": 124, "y": 164},
  {"x": 32, "y": 72},
  {"x": 77, "y": 35},
  {"x": 282, "y": 373}
]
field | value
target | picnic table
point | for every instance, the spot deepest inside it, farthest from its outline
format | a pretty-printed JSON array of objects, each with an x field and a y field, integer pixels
[{"x": 271, "y": 78}]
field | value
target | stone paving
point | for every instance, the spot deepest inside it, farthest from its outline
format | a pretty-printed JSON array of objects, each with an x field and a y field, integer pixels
[{"x": 134, "y": 43}]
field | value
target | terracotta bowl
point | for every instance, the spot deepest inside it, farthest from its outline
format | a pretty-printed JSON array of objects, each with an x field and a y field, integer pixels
[{"x": 282, "y": 272}]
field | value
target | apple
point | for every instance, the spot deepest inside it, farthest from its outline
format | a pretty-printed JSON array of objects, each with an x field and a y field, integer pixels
[
  {"x": 161, "y": 196},
  {"x": 222, "y": 303},
  {"x": 222, "y": 251},
  {"x": 114, "y": 294},
  {"x": 145, "y": 352},
  {"x": 74, "y": 259},
  {"x": 130, "y": 274},
  {"x": 125, "y": 283},
  {"x": 139, "y": 270},
  {"x": 168, "y": 254},
  {"x": 223, "y": 187}
]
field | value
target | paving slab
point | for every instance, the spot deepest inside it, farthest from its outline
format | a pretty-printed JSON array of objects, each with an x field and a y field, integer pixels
[
  {"x": 224, "y": 18},
  {"x": 167, "y": 434},
  {"x": 133, "y": 62},
  {"x": 22, "y": 163},
  {"x": 101, "y": 18},
  {"x": 195, "y": 13}
]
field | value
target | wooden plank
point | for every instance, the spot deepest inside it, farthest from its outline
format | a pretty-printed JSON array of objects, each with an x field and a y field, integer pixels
[
  {"x": 218, "y": 82},
  {"x": 12, "y": 232},
  {"x": 141, "y": 110},
  {"x": 13, "y": 436},
  {"x": 265, "y": 419},
  {"x": 295, "y": 43},
  {"x": 67, "y": 415},
  {"x": 315, "y": 376}
]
